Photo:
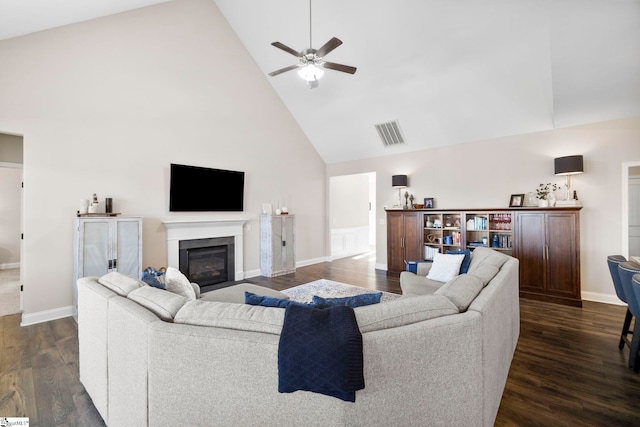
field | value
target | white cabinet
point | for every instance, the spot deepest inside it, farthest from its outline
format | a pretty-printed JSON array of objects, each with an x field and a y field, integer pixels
[
  {"x": 105, "y": 244},
  {"x": 277, "y": 245}
]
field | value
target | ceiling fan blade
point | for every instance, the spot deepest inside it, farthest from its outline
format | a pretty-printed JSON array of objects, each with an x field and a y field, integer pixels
[
  {"x": 339, "y": 67},
  {"x": 286, "y": 49},
  {"x": 328, "y": 47},
  {"x": 283, "y": 70}
]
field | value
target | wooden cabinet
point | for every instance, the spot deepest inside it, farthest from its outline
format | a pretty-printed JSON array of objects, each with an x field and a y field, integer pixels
[
  {"x": 404, "y": 239},
  {"x": 547, "y": 243},
  {"x": 105, "y": 244},
  {"x": 277, "y": 245}
]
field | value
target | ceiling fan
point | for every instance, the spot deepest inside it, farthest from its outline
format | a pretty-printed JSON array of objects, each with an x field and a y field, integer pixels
[{"x": 310, "y": 61}]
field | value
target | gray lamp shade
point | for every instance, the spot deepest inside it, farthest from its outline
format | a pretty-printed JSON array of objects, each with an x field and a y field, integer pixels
[
  {"x": 399, "y": 181},
  {"x": 568, "y": 165}
]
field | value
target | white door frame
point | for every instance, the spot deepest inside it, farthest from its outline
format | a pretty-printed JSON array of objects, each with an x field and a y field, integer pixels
[{"x": 625, "y": 207}]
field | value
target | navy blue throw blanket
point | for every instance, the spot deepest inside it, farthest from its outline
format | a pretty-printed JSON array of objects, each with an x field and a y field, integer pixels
[{"x": 320, "y": 350}]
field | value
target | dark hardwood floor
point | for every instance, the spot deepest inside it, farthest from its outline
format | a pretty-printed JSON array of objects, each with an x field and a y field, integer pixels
[{"x": 567, "y": 369}]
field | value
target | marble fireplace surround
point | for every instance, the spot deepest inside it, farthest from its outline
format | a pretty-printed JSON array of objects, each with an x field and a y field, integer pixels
[{"x": 205, "y": 229}]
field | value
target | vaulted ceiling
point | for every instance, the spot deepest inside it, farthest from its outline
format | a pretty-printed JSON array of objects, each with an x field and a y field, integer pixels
[{"x": 449, "y": 71}]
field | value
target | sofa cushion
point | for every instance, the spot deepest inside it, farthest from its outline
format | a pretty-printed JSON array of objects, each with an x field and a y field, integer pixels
[
  {"x": 231, "y": 316},
  {"x": 445, "y": 267},
  {"x": 120, "y": 283},
  {"x": 178, "y": 283},
  {"x": 403, "y": 311},
  {"x": 483, "y": 256},
  {"x": 350, "y": 301},
  {"x": 462, "y": 290},
  {"x": 485, "y": 273},
  {"x": 163, "y": 304},
  {"x": 412, "y": 284},
  {"x": 464, "y": 267}
]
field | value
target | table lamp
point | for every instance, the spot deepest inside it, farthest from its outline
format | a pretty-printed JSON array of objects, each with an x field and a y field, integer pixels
[
  {"x": 399, "y": 182},
  {"x": 568, "y": 165}
]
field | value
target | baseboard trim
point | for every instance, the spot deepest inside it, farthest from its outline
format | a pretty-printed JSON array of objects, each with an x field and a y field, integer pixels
[
  {"x": 46, "y": 315},
  {"x": 311, "y": 261},
  {"x": 382, "y": 267},
  {"x": 252, "y": 273},
  {"x": 256, "y": 273},
  {"x": 9, "y": 266},
  {"x": 603, "y": 298}
]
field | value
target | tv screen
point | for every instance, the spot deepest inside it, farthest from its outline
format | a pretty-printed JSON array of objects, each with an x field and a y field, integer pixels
[{"x": 198, "y": 189}]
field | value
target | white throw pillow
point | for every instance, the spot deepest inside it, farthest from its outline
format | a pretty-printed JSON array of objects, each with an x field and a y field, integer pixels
[
  {"x": 445, "y": 267},
  {"x": 179, "y": 284}
]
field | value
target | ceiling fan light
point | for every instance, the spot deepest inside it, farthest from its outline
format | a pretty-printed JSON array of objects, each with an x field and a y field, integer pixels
[{"x": 310, "y": 72}]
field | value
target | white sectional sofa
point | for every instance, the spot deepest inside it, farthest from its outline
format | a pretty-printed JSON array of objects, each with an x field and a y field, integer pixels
[{"x": 148, "y": 357}]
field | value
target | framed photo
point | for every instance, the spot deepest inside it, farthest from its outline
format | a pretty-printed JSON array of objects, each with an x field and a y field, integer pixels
[
  {"x": 428, "y": 203},
  {"x": 516, "y": 201},
  {"x": 267, "y": 209}
]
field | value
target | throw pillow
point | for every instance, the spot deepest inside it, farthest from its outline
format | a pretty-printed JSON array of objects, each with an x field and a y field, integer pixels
[
  {"x": 267, "y": 301},
  {"x": 445, "y": 267},
  {"x": 178, "y": 283},
  {"x": 351, "y": 301},
  {"x": 465, "y": 262}
]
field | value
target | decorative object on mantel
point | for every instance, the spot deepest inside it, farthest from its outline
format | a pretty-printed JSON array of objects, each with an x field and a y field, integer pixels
[
  {"x": 516, "y": 201},
  {"x": 84, "y": 207},
  {"x": 94, "y": 207},
  {"x": 569, "y": 165},
  {"x": 406, "y": 200},
  {"x": 412, "y": 199},
  {"x": 399, "y": 181},
  {"x": 530, "y": 199},
  {"x": 428, "y": 203},
  {"x": 545, "y": 195},
  {"x": 267, "y": 209}
]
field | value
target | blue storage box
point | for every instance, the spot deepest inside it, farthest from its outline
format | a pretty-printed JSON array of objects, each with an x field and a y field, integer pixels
[{"x": 412, "y": 266}]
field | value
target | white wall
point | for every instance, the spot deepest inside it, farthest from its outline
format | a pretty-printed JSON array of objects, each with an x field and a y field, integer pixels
[
  {"x": 106, "y": 105},
  {"x": 484, "y": 175}
]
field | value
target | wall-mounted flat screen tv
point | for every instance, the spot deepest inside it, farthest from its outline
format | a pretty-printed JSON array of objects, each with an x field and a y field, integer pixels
[{"x": 198, "y": 189}]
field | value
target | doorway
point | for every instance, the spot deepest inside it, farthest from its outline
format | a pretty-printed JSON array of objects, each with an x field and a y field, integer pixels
[
  {"x": 631, "y": 209},
  {"x": 352, "y": 214},
  {"x": 11, "y": 214}
]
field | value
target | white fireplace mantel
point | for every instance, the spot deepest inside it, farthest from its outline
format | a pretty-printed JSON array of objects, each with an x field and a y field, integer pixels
[{"x": 205, "y": 229}]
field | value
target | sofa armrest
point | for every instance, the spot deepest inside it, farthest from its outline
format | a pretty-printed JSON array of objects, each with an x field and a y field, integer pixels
[{"x": 196, "y": 289}]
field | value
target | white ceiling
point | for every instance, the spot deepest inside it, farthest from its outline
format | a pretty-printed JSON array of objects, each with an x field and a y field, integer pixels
[{"x": 450, "y": 71}]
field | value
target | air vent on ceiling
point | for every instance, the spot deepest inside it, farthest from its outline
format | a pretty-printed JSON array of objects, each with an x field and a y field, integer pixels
[{"x": 390, "y": 133}]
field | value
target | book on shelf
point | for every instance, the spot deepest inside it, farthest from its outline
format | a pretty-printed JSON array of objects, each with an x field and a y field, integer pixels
[{"x": 430, "y": 251}]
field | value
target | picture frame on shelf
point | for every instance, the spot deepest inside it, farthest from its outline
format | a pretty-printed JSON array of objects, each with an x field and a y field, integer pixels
[
  {"x": 516, "y": 201},
  {"x": 428, "y": 203}
]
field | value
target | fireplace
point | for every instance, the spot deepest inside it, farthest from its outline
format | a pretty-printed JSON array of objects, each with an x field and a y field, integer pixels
[
  {"x": 207, "y": 261},
  {"x": 214, "y": 246}
]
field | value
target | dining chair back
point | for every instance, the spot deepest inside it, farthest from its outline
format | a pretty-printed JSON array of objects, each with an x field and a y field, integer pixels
[
  {"x": 627, "y": 270},
  {"x": 636, "y": 294}
]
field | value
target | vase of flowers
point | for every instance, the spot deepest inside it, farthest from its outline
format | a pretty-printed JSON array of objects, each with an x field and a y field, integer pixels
[{"x": 545, "y": 194}]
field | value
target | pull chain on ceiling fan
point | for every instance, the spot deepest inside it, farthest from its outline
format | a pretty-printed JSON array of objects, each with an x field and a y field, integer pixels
[{"x": 310, "y": 61}]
